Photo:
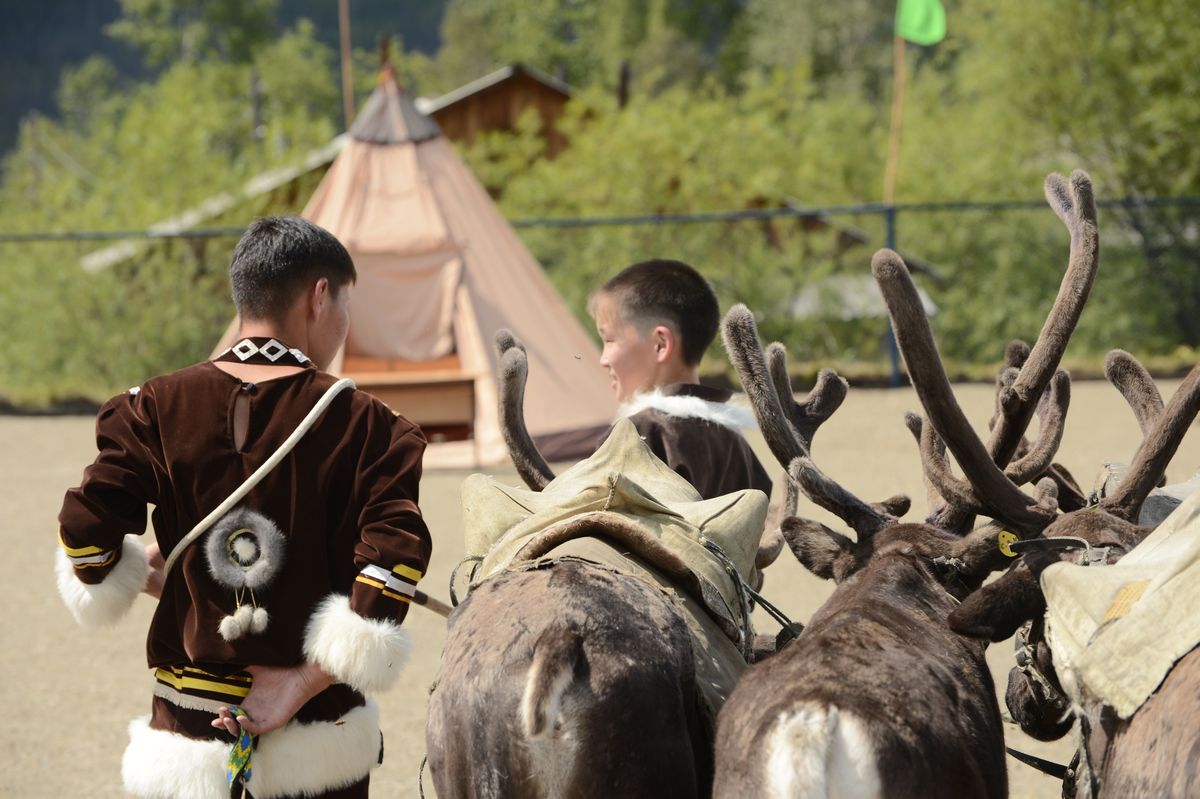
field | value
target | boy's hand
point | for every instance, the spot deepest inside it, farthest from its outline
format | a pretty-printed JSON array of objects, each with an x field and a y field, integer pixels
[
  {"x": 275, "y": 696},
  {"x": 154, "y": 581}
]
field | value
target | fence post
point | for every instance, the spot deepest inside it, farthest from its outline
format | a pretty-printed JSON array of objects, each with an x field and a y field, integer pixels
[{"x": 896, "y": 380}]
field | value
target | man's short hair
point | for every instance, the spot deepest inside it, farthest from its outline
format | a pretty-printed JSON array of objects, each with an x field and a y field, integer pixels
[
  {"x": 280, "y": 256},
  {"x": 671, "y": 292}
]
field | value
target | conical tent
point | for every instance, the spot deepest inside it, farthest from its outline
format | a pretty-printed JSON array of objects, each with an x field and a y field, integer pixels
[{"x": 439, "y": 272}]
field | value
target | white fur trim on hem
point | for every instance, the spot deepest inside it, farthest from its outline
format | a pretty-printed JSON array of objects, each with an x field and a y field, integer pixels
[
  {"x": 300, "y": 759},
  {"x": 366, "y": 654},
  {"x": 104, "y": 603},
  {"x": 164, "y": 765},
  {"x": 725, "y": 414}
]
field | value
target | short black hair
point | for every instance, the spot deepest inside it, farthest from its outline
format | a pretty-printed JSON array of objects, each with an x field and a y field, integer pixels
[
  {"x": 277, "y": 258},
  {"x": 662, "y": 290}
]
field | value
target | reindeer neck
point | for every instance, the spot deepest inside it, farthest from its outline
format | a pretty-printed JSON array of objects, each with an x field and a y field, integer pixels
[{"x": 896, "y": 584}]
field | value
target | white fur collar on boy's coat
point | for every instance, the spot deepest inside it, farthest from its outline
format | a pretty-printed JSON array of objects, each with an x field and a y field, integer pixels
[{"x": 684, "y": 405}]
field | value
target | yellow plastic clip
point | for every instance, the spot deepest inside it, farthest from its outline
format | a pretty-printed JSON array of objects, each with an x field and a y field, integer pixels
[{"x": 1004, "y": 542}]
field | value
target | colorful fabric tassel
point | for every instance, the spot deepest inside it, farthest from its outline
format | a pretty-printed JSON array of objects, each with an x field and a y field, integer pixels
[{"x": 238, "y": 767}]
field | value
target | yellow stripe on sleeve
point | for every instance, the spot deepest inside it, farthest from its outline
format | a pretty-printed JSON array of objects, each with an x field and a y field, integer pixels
[
  {"x": 407, "y": 571},
  {"x": 78, "y": 552}
]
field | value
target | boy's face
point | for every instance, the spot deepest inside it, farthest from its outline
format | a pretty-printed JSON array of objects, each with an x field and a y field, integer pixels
[{"x": 631, "y": 358}]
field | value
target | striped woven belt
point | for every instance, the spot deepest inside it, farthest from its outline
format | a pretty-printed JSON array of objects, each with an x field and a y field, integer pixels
[{"x": 189, "y": 681}]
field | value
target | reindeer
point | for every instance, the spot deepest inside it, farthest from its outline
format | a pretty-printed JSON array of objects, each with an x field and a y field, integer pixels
[
  {"x": 576, "y": 679},
  {"x": 1154, "y": 752},
  {"x": 878, "y": 696}
]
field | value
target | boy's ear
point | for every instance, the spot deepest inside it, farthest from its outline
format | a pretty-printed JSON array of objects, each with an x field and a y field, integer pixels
[
  {"x": 666, "y": 343},
  {"x": 318, "y": 295}
]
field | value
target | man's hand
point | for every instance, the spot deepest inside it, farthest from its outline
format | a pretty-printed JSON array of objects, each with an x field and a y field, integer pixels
[
  {"x": 154, "y": 581},
  {"x": 275, "y": 696}
]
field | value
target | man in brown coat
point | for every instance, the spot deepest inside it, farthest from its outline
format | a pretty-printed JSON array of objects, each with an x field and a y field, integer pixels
[{"x": 289, "y": 605}]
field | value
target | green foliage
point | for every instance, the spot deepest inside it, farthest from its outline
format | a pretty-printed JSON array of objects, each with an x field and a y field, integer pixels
[
  {"x": 666, "y": 42},
  {"x": 687, "y": 151},
  {"x": 170, "y": 30},
  {"x": 734, "y": 104}
]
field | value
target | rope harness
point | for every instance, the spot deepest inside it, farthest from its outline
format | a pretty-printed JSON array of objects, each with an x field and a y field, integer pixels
[
  {"x": 746, "y": 596},
  {"x": 476, "y": 560}
]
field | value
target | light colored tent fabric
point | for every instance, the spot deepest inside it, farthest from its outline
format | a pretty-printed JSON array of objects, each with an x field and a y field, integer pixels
[
  {"x": 1117, "y": 630},
  {"x": 440, "y": 270},
  {"x": 625, "y": 494}
]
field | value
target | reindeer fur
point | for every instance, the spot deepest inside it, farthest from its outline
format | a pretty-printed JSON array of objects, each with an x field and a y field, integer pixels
[
  {"x": 593, "y": 692},
  {"x": 1154, "y": 752},
  {"x": 879, "y": 663}
]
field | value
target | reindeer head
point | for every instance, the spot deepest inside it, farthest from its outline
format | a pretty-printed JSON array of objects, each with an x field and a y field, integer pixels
[{"x": 1111, "y": 525}]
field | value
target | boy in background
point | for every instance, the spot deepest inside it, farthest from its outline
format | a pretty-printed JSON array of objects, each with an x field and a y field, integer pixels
[{"x": 656, "y": 319}]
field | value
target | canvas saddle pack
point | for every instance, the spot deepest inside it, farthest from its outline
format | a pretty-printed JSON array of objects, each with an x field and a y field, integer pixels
[
  {"x": 1117, "y": 630},
  {"x": 626, "y": 510}
]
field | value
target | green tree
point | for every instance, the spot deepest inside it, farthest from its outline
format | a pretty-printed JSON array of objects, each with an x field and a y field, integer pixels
[{"x": 170, "y": 30}]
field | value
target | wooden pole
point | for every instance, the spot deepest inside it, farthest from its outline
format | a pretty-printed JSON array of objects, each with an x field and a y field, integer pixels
[
  {"x": 347, "y": 75},
  {"x": 893, "y": 159}
]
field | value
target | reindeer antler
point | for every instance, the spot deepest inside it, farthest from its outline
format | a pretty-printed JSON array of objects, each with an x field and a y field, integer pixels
[
  {"x": 866, "y": 519},
  {"x": 1075, "y": 206},
  {"x": 788, "y": 426},
  {"x": 1136, "y": 385},
  {"x": 988, "y": 483},
  {"x": 513, "y": 368},
  {"x": 1019, "y": 396},
  {"x": 1156, "y": 450}
]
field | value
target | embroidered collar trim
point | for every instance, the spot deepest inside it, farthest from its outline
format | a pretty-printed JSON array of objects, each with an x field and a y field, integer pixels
[{"x": 264, "y": 350}]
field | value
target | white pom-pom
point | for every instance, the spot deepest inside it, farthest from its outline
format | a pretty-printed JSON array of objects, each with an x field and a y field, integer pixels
[
  {"x": 245, "y": 547},
  {"x": 259, "y": 620},
  {"x": 234, "y": 627},
  {"x": 229, "y": 628}
]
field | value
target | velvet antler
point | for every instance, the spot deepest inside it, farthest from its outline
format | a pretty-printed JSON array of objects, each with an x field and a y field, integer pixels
[
  {"x": 1074, "y": 204},
  {"x": 1156, "y": 451},
  {"x": 513, "y": 368},
  {"x": 789, "y": 426},
  {"x": 988, "y": 483}
]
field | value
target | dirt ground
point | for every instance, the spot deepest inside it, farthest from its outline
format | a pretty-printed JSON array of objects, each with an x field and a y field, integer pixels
[{"x": 70, "y": 693}]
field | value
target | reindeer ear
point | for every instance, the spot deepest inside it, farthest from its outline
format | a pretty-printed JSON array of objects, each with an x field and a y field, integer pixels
[
  {"x": 823, "y": 552},
  {"x": 996, "y": 611}
]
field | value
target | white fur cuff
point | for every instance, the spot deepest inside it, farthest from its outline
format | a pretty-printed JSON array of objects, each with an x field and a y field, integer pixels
[
  {"x": 104, "y": 603},
  {"x": 366, "y": 654}
]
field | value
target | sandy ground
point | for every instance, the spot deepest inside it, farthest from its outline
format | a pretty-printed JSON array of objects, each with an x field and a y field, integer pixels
[{"x": 69, "y": 693}]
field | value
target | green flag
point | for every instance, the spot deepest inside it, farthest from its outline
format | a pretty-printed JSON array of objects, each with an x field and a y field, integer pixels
[{"x": 921, "y": 21}]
